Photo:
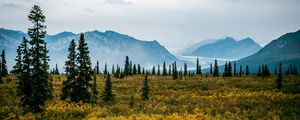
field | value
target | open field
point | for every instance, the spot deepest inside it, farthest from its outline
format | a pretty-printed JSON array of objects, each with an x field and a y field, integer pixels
[{"x": 193, "y": 97}]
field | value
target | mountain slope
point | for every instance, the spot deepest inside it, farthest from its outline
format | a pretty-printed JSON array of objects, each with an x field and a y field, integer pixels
[
  {"x": 285, "y": 50},
  {"x": 227, "y": 48},
  {"x": 108, "y": 47}
]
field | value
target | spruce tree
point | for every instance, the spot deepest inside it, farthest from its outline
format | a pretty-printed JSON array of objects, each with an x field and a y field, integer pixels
[
  {"x": 41, "y": 91},
  {"x": 56, "y": 70},
  {"x": 170, "y": 73},
  {"x": 145, "y": 89},
  {"x": 17, "y": 68},
  {"x": 216, "y": 70},
  {"x": 210, "y": 71},
  {"x": 247, "y": 70},
  {"x": 279, "y": 78},
  {"x": 113, "y": 69},
  {"x": 126, "y": 67},
  {"x": 229, "y": 69},
  {"x": 225, "y": 74},
  {"x": 82, "y": 84},
  {"x": 153, "y": 70},
  {"x": 24, "y": 84},
  {"x": 197, "y": 66},
  {"x": 234, "y": 68},
  {"x": 175, "y": 72},
  {"x": 4, "y": 71},
  {"x": 164, "y": 69},
  {"x": 107, "y": 94},
  {"x": 105, "y": 69},
  {"x": 71, "y": 72},
  {"x": 259, "y": 72},
  {"x": 158, "y": 69},
  {"x": 185, "y": 69},
  {"x": 97, "y": 67},
  {"x": 139, "y": 69},
  {"x": 134, "y": 71}
]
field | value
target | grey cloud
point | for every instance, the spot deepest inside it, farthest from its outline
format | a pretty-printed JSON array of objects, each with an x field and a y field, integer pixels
[
  {"x": 11, "y": 5},
  {"x": 118, "y": 2}
]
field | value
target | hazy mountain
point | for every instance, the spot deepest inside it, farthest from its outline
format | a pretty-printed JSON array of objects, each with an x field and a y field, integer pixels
[
  {"x": 285, "y": 50},
  {"x": 227, "y": 48},
  {"x": 110, "y": 47}
]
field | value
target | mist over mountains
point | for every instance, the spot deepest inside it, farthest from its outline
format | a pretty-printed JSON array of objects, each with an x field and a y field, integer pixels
[
  {"x": 108, "y": 47},
  {"x": 227, "y": 48}
]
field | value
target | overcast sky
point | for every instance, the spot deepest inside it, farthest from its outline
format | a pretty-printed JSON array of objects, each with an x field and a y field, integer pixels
[{"x": 174, "y": 23}]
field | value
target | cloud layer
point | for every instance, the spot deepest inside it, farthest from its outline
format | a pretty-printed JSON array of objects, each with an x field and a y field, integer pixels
[{"x": 174, "y": 23}]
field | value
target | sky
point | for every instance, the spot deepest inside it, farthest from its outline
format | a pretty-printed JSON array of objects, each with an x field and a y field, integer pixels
[{"x": 176, "y": 24}]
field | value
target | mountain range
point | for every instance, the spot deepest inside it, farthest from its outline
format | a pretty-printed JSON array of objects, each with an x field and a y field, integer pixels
[
  {"x": 285, "y": 50},
  {"x": 225, "y": 48},
  {"x": 108, "y": 47}
]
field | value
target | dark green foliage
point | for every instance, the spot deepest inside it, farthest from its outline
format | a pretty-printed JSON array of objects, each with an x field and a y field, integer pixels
[
  {"x": 247, "y": 70},
  {"x": 153, "y": 70},
  {"x": 4, "y": 71},
  {"x": 118, "y": 72},
  {"x": 241, "y": 71},
  {"x": 145, "y": 89},
  {"x": 134, "y": 70},
  {"x": 185, "y": 69},
  {"x": 105, "y": 69},
  {"x": 130, "y": 68},
  {"x": 164, "y": 69},
  {"x": 279, "y": 78},
  {"x": 107, "y": 94},
  {"x": 170, "y": 73},
  {"x": 81, "y": 86},
  {"x": 113, "y": 69},
  {"x": 197, "y": 66},
  {"x": 17, "y": 68},
  {"x": 143, "y": 72},
  {"x": 139, "y": 69},
  {"x": 24, "y": 85},
  {"x": 71, "y": 72},
  {"x": 210, "y": 70},
  {"x": 174, "y": 71},
  {"x": 234, "y": 69},
  {"x": 216, "y": 70},
  {"x": 127, "y": 67},
  {"x": 158, "y": 69},
  {"x": 97, "y": 68},
  {"x": 41, "y": 90},
  {"x": 259, "y": 72}
]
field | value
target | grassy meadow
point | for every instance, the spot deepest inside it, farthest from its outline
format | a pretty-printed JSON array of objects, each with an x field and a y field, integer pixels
[{"x": 192, "y": 97}]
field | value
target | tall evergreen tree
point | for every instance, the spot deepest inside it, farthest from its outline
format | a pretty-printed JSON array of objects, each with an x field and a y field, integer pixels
[
  {"x": 24, "y": 85},
  {"x": 126, "y": 67},
  {"x": 105, "y": 69},
  {"x": 225, "y": 74},
  {"x": 234, "y": 68},
  {"x": 210, "y": 71},
  {"x": 197, "y": 66},
  {"x": 145, "y": 89},
  {"x": 164, "y": 69},
  {"x": 153, "y": 70},
  {"x": 71, "y": 72},
  {"x": 185, "y": 69},
  {"x": 107, "y": 94},
  {"x": 97, "y": 67},
  {"x": 4, "y": 71},
  {"x": 170, "y": 73},
  {"x": 56, "y": 69},
  {"x": 113, "y": 69},
  {"x": 17, "y": 68},
  {"x": 134, "y": 71},
  {"x": 247, "y": 70},
  {"x": 229, "y": 69},
  {"x": 85, "y": 71},
  {"x": 175, "y": 72},
  {"x": 275, "y": 70},
  {"x": 139, "y": 69},
  {"x": 130, "y": 67},
  {"x": 279, "y": 78},
  {"x": 41, "y": 91},
  {"x": 216, "y": 70},
  {"x": 259, "y": 72}
]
